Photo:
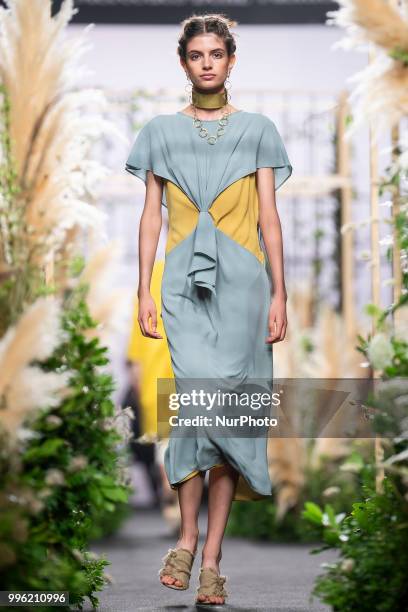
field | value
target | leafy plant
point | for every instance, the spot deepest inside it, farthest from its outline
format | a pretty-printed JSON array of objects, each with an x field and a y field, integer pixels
[
  {"x": 373, "y": 545},
  {"x": 373, "y": 539},
  {"x": 70, "y": 474}
]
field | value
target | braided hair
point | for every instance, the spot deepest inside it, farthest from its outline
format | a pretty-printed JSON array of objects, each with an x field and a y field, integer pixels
[{"x": 216, "y": 23}]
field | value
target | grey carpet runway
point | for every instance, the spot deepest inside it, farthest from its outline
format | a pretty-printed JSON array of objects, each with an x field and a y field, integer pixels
[{"x": 261, "y": 576}]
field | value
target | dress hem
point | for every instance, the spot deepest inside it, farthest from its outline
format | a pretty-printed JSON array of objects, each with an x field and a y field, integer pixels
[{"x": 243, "y": 491}]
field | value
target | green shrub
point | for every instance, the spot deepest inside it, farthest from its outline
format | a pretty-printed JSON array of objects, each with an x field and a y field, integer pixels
[
  {"x": 70, "y": 475},
  {"x": 371, "y": 573}
]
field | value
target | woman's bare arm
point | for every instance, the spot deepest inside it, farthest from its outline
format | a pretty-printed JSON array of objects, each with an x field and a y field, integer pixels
[
  {"x": 271, "y": 229},
  {"x": 149, "y": 233}
]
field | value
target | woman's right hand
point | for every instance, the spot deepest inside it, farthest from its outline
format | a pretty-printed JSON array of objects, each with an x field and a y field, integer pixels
[{"x": 147, "y": 310}]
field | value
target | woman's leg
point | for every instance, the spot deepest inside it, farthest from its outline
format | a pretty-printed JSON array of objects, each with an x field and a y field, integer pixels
[
  {"x": 222, "y": 484},
  {"x": 189, "y": 494}
]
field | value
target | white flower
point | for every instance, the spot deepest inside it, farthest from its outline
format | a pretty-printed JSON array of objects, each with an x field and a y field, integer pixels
[
  {"x": 347, "y": 565},
  {"x": 128, "y": 411},
  {"x": 121, "y": 422},
  {"x": 54, "y": 420},
  {"x": 330, "y": 491},
  {"x": 78, "y": 463},
  {"x": 388, "y": 240},
  {"x": 54, "y": 477},
  {"x": 380, "y": 351}
]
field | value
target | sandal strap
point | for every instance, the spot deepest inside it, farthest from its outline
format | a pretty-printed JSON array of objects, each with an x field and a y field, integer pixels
[
  {"x": 177, "y": 564},
  {"x": 211, "y": 583}
]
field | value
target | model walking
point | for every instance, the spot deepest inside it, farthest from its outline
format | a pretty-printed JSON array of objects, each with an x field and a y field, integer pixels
[{"x": 216, "y": 168}]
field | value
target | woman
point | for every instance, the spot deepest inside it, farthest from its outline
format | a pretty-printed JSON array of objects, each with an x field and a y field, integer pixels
[{"x": 216, "y": 168}]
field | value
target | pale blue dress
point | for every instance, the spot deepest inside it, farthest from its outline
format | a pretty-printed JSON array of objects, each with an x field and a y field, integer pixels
[{"x": 215, "y": 293}]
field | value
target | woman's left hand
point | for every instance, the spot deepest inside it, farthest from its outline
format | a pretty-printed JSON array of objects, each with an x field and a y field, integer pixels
[{"x": 277, "y": 319}]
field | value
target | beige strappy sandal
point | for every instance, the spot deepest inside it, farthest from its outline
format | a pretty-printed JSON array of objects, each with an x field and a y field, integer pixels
[
  {"x": 177, "y": 564},
  {"x": 211, "y": 584}
]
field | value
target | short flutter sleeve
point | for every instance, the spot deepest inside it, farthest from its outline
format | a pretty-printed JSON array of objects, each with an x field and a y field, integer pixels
[
  {"x": 140, "y": 157},
  {"x": 272, "y": 153},
  {"x": 148, "y": 152}
]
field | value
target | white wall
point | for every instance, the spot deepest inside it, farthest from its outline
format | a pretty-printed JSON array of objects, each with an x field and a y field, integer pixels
[{"x": 282, "y": 57}]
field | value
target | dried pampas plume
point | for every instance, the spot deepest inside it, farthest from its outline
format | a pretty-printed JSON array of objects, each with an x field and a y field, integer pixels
[
  {"x": 370, "y": 21},
  {"x": 313, "y": 349},
  {"x": 381, "y": 89},
  {"x": 25, "y": 387},
  {"x": 52, "y": 122},
  {"x": 108, "y": 305}
]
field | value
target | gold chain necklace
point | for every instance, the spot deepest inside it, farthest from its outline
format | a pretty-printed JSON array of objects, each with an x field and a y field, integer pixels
[{"x": 204, "y": 133}]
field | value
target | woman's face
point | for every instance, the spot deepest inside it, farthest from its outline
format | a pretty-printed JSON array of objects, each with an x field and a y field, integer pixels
[{"x": 207, "y": 61}]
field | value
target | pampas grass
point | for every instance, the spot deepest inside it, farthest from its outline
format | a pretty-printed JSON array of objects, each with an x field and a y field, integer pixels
[
  {"x": 381, "y": 89},
  {"x": 48, "y": 125},
  {"x": 35, "y": 337},
  {"x": 24, "y": 387},
  {"x": 109, "y": 307},
  {"x": 370, "y": 21},
  {"x": 287, "y": 462},
  {"x": 51, "y": 126},
  {"x": 312, "y": 349}
]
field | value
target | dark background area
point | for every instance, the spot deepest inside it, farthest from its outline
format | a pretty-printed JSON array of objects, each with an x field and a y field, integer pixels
[{"x": 172, "y": 12}]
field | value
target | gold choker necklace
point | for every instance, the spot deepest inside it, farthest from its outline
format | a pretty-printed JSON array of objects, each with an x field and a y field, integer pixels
[{"x": 209, "y": 100}]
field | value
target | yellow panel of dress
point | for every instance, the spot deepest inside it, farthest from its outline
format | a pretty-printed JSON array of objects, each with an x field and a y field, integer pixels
[{"x": 234, "y": 212}]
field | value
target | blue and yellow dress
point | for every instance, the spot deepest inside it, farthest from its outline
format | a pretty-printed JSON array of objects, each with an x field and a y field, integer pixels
[{"x": 216, "y": 286}]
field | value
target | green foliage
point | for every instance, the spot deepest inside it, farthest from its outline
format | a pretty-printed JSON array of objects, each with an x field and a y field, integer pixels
[
  {"x": 108, "y": 523},
  {"x": 70, "y": 474},
  {"x": 399, "y": 54},
  {"x": 373, "y": 539},
  {"x": 59, "y": 485},
  {"x": 373, "y": 545},
  {"x": 399, "y": 363},
  {"x": 21, "y": 277}
]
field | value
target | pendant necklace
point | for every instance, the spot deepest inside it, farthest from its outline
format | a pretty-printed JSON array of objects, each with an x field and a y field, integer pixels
[{"x": 204, "y": 133}]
